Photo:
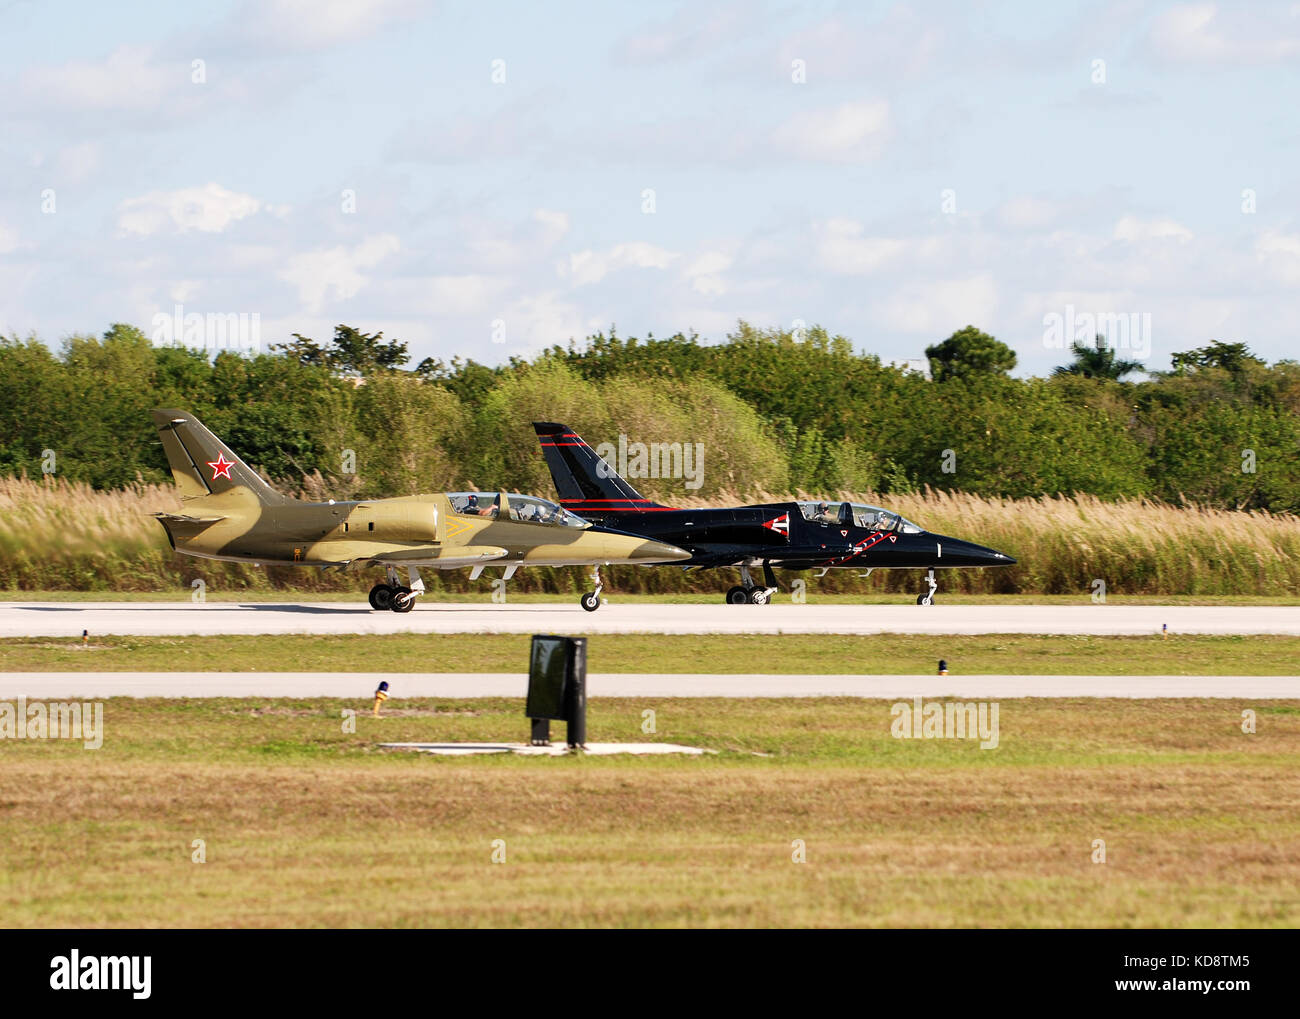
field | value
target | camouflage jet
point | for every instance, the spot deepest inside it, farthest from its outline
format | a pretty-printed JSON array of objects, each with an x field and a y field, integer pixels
[
  {"x": 796, "y": 535},
  {"x": 231, "y": 514}
]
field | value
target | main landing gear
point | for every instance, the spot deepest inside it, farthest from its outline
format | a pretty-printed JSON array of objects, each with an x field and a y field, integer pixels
[
  {"x": 591, "y": 600},
  {"x": 749, "y": 593},
  {"x": 927, "y": 597},
  {"x": 394, "y": 595}
]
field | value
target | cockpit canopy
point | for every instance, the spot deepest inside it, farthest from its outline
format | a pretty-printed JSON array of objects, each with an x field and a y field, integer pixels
[
  {"x": 527, "y": 509},
  {"x": 857, "y": 514}
]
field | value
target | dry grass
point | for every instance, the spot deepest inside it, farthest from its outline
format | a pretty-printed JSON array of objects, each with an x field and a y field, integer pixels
[
  {"x": 61, "y": 536},
  {"x": 307, "y": 826}
]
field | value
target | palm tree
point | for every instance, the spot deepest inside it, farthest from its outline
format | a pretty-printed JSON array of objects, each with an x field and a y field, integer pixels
[{"x": 1098, "y": 362}]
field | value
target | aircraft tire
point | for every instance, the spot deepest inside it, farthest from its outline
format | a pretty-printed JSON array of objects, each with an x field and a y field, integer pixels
[
  {"x": 925, "y": 599},
  {"x": 403, "y": 600},
  {"x": 589, "y": 601},
  {"x": 757, "y": 596},
  {"x": 381, "y": 597},
  {"x": 738, "y": 596}
]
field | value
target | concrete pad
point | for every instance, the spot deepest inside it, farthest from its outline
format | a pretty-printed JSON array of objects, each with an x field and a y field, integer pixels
[{"x": 554, "y": 750}]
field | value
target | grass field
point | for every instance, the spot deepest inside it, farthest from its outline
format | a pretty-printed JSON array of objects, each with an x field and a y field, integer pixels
[
  {"x": 887, "y": 654},
  {"x": 306, "y": 825}
]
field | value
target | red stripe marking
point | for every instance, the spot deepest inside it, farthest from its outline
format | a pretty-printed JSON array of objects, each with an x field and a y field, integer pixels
[{"x": 578, "y": 508}]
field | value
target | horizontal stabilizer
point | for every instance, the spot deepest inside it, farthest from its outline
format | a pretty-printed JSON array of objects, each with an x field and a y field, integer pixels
[{"x": 183, "y": 518}]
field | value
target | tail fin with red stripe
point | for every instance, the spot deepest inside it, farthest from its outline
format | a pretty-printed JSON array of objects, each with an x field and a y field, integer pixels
[{"x": 586, "y": 483}]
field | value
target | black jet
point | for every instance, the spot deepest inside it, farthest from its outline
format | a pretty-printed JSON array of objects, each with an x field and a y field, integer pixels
[{"x": 804, "y": 535}]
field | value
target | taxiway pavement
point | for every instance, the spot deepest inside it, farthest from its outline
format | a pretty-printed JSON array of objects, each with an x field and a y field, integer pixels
[{"x": 69, "y": 619}]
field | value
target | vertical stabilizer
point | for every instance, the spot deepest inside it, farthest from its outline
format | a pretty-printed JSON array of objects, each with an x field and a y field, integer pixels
[
  {"x": 585, "y": 482},
  {"x": 204, "y": 465}
]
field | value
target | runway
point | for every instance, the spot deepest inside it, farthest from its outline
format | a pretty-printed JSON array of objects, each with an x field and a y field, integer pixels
[
  {"x": 360, "y": 685},
  {"x": 68, "y": 619}
]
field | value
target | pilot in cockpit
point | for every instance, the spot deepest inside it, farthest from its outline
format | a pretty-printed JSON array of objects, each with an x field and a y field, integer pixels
[{"x": 473, "y": 509}]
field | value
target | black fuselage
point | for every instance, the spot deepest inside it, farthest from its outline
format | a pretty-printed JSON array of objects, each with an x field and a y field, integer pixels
[{"x": 779, "y": 534}]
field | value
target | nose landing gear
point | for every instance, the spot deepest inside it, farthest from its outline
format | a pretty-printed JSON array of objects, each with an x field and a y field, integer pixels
[
  {"x": 591, "y": 600},
  {"x": 927, "y": 597}
]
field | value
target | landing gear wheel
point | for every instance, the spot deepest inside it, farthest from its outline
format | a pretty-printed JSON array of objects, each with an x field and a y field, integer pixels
[
  {"x": 590, "y": 601},
  {"x": 738, "y": 595},
  {"x": 925, "y": 599},
  {"x": 403, "y": 600},
  {"x": 758, "y": 596},
  {"x": 381, "y": 597}
]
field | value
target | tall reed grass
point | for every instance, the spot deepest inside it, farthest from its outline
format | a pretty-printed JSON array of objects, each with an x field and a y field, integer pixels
[{"x": 56, "y": 535}]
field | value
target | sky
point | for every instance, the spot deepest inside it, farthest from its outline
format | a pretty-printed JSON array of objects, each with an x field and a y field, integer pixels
[{"x": 485, "y": 180}]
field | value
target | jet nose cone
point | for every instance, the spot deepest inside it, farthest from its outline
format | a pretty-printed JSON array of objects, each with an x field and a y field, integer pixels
[
  {"x": 967, "y": 553},
  {"x": 989, "y": 557},
  {"x": 658, "y": 552}
]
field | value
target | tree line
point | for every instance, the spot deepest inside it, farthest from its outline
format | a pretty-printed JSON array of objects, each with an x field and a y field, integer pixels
[{"x": 776, "y": 413}]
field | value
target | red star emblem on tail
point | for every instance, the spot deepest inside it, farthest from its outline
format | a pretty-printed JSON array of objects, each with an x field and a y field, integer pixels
[{"x": 221, "y": 467}]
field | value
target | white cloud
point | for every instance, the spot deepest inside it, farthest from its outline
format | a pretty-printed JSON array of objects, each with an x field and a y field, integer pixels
[
  {"x": 1028, "y": 212},
  {"x": 1245, "y": 36},
  {"x": 1133, "y": 229},
  {"x": 939, "y": 307},
  {"x": 841, "y": 247},
  {"x": 128, "y": 79},
  {"x": 540, "y": 320},
  {"x": 317, "y": 24},
  {"x": 554, "y": 224},
  {"x": 335, "y": 273},
  {"x": 183, "y": 290},
  {"x": 903, "y": 42},
  {"x": 704, "y": 273},
  {"x": 76, "y": 163},
  {"x": 463, "y": 295},
  {"x": 584, "y": 267},
  {"x": 851, "y": 132},
  {"x": 489, "y": 245},
  {"x": 1279, "y": 254},
  {"x": 8, "y": 239},
  {"x": 209, "y": 209},
  {"x": 690, "y": 32},
  {"x": 513, "y": 131}
]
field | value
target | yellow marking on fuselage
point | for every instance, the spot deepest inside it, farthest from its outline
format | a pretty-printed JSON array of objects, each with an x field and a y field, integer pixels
[{"x": 456, "y": 526}]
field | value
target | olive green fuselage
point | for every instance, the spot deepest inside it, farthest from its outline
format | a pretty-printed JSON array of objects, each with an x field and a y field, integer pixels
[{"x": 419, "y": 530}]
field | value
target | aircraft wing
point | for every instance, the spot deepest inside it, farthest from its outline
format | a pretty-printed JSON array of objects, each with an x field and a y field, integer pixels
[
  {"x": 469, "y": 555},
  {"x": 774, "y": 555},
  {"x": 460, "y": 555}
]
